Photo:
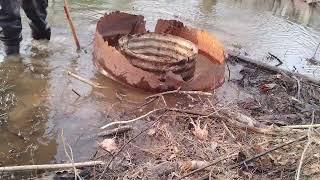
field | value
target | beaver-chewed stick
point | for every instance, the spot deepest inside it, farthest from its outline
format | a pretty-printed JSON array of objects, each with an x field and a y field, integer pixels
[
  {"x": 50, "y": 166},
  {"x": 119, "y": 130},
  {"x": 73, "y": 29},
  {"x": 93, "y": 84}
]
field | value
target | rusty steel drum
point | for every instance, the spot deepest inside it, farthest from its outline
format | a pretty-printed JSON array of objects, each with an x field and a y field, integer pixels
[
  {"x": 160, "y": 53},
  {"x": 125, "y": 52}
]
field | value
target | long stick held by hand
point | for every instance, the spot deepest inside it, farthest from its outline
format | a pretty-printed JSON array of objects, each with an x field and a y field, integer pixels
[{"x": 73, "y": 29}]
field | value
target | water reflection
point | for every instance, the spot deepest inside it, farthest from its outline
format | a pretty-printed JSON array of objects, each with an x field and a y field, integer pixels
[
  {"x": 207, "y": 6},
  {"x": 295, "y": 10},
  {"x": 287, "y": 28}
]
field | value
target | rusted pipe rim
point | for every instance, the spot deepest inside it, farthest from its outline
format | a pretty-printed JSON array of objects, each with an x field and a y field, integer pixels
[{"x": 159, "y": 48}]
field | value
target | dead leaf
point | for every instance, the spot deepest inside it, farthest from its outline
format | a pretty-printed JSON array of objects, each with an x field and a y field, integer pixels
[
  {"x": 214, "y": 146},
  {"x": 151, "y": 132},
  {"x": 201, "y": 134},
  {"x": 173, "y": 156},
  {"x": 108, "y": 145}
]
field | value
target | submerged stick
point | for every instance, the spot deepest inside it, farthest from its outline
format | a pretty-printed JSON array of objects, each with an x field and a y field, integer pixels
[
  {"x": 315, "y": 52},
  {"x": 275, "y": 57},
  {"x": 93, "y": 84},
  {"x": 73, "y": 29},
  {"x": 76, "y": 92},
  {"x": 50, "y": 166}
]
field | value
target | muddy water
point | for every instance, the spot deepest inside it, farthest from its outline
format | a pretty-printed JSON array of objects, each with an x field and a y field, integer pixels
[{"x": 41, "y": 102}]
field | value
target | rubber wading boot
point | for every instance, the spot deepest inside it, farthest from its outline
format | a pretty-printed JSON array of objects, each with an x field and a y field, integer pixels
[
  {"x": 12, "y": 49},
  {"x": 40, "y": 34}
]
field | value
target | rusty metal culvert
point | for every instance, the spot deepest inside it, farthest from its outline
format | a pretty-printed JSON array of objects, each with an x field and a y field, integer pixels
[
  {"x": 174, "y": 56},
  {"x": 160, "y": 53}
]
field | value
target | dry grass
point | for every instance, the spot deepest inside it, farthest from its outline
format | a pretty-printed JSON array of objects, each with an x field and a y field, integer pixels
[{"x": 171, "y": 141}]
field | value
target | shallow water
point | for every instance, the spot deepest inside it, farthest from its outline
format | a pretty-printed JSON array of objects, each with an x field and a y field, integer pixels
[{"x": 42, "y": 100}]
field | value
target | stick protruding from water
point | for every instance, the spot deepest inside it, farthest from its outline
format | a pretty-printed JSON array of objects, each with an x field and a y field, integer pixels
[{"x": 73, "y": 29}]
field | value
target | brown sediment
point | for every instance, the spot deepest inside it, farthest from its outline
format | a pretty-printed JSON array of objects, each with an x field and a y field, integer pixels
[{"x": 123, "y": 68}]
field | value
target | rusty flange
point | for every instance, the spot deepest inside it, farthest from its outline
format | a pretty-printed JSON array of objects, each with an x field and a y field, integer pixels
[{"x": 116, "y": 64}]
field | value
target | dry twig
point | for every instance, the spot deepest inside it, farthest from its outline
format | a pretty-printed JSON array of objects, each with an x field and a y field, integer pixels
[
  {"x": 132, "y": 120},
  {"x": 306, "y": 126},
  {"x": 70, "y": 157},
  {"x": 180, "y": 92},
  {"x": 228, "y": 131},
  {"x": 128, "y": 142},
  {"x": 305, "y": 149},
  {"x": 268, "y": 151}
]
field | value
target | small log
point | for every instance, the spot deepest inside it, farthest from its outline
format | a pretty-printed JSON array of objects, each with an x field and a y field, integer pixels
[
  {"x": 273, "y": 68},
  {"x": 50, "y": 166},
  {"x": 114, "y": 131}
]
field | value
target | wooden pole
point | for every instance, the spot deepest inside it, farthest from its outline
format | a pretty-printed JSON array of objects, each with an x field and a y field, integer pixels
[
  {"x": 49, "y": 166},
  {"x": 73, "y": 29}
]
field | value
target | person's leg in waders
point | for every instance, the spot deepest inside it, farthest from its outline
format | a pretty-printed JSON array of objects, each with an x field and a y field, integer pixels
[
  {"x": 10, "y": 26},
  {"x": 36, "y": 11}
]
